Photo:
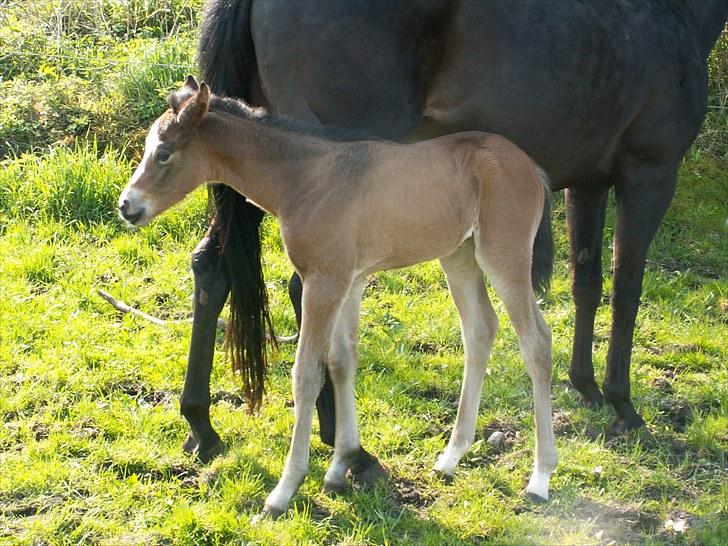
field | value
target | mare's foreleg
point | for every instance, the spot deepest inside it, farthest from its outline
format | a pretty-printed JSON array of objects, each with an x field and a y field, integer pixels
[
  {"x": 585, "y": 215},
  {"x": 643, "y": 195},
  {"x": 478, "y": 324},
  {"x": 211, "y": 290},
  {"x": 322, "y": 299}
]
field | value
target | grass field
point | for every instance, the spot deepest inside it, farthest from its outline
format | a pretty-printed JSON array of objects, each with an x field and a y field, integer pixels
[{"x": 90, "y": 447}]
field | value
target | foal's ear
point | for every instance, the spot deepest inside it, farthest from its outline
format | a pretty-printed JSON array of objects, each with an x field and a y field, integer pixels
[
  {"x": 194, "y": 110},
  {"x": 191, "y": 84},
  {"x": 177, "y": 98}
]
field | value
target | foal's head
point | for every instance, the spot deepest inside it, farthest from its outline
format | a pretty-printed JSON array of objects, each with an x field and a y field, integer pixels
[{"x": 174, "y": 163}]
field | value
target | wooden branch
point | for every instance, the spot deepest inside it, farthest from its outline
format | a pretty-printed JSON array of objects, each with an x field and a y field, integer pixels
[{"x": 126, "y": 308}]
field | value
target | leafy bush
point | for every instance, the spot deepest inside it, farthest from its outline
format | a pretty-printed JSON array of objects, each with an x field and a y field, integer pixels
[
  {"x": 713, "y": 139},
  {"x": 150, "y": 73}
]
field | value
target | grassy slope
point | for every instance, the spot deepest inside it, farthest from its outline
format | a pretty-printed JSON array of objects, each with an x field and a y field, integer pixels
[{"x": 90, "y": 447}]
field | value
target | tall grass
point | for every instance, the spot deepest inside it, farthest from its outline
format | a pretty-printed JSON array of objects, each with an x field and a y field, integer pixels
[{"x": 72, "y": 185}]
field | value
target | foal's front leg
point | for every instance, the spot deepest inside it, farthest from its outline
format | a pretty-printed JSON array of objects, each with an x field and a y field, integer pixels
[
  {"x": 322, "y": 299},
  {"x": 341, "y": 364}
]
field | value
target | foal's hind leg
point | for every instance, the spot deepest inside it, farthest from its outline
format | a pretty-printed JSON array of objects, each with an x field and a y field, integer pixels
[
  {"x": 507, "y": 267},
  {"x": 341, "y": 364},
  {"x": 478, "y": 324}
]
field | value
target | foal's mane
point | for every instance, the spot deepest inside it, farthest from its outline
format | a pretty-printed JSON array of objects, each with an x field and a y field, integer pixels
[{"x": 241, "y": 109}]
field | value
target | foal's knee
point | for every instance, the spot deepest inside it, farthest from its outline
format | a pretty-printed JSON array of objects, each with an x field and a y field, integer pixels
[
  {"x": 307, "y": 383},
  {"x": 339, "y": 360}
]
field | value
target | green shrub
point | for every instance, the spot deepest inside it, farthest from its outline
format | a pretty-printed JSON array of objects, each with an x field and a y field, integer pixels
[
  {"x": 151, "y": 72},
  {"x": 73, "y": 185}
]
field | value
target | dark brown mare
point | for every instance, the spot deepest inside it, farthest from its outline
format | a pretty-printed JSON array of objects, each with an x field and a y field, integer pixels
[{"x": 601, "y": 94}]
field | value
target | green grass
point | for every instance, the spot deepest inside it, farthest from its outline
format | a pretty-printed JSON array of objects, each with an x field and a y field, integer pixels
[{"x": 90, "y": 447}]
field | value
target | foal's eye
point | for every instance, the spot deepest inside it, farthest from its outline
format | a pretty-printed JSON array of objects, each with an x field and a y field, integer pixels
[{"x": 162, "y": 156}]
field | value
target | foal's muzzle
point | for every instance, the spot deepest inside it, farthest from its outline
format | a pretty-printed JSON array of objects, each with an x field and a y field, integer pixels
[{"x": 130, "y": 217}]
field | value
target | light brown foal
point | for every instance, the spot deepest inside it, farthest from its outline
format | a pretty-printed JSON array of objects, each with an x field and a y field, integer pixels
[{"x": 349, "y": 209}]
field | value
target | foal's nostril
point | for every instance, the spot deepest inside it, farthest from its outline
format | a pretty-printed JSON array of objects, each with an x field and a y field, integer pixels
[{"x": 124, "y": 207}]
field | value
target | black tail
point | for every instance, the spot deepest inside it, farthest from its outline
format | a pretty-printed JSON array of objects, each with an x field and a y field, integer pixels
[
  {"x": 227, "y": 63},
  {"x": 543, "y": 246}
]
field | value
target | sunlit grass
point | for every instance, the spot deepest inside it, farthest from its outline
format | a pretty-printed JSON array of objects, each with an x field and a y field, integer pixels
[{"x": 90, "y": 447}]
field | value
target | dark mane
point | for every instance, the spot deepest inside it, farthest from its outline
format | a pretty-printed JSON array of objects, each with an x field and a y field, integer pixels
[{"x": 243, "y": 110}]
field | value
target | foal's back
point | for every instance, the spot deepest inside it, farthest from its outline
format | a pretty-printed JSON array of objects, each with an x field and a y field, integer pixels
[{"x": 400, "y": 204}]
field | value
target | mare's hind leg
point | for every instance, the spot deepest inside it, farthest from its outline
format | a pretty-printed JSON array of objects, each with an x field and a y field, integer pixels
[
  {"x": 211, "y": 290},
  {"x": 585, "y": 215},
  {"x": 478, "y": 324},
  {"x": 643, "y": 195},
  {"x": 507, "y": 266}
]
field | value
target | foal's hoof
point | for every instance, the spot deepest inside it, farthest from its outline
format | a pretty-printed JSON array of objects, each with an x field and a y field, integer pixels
[
  {"x": 623, "y": 425},
  {"x": 536, "y": 498},
  {"x": 269, "y": 512},
  {"x": 440, "y": 474},
  {"x": 334, "y": 488}
]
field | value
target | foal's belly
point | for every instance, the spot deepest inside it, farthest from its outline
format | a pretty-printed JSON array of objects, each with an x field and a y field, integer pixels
[{"x": 412, "y": 237}]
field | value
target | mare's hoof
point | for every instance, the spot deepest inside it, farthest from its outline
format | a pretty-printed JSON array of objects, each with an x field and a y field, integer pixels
[
  {"x": 203, "y": 451},
  {"x": 370, "y": 474},
  {"x": 622, "y": 425},
  {"x": 591, "y": 396},
  {"x": 190, "y": 444}
]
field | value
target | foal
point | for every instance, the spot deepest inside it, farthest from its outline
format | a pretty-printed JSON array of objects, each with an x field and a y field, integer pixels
[{"x": 473, "y": 200}]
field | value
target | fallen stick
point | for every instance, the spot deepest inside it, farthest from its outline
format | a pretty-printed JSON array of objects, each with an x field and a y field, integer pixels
[
  {"x": 124, "y": 308},
  {"x": 221, "y": 324}
]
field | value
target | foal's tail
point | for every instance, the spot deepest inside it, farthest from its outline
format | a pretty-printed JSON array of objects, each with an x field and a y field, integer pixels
[{"x": 543, "y": 246}]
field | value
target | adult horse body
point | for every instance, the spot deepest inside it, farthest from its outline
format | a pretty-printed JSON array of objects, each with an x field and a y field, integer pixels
[{"x": 600, "y": 94}]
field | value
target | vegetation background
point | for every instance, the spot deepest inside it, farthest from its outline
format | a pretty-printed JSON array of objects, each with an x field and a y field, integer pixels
[{"x": 91, "y": 432}]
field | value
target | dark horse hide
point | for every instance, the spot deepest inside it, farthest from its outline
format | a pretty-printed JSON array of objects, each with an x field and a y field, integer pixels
[{"x": 602, "y": 94}]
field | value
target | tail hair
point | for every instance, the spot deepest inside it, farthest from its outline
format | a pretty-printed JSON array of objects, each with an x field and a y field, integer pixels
[
  {"x": 543, "y": 245},
  {"x": 227, "y": 63}
]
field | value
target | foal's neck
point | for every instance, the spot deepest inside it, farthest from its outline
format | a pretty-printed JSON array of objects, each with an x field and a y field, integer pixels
[{"x": 265, "y": 163}]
